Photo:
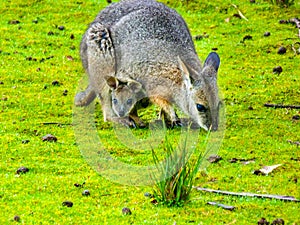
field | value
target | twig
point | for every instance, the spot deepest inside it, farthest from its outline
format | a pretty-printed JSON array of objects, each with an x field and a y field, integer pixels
[
  {"x": 55, "y": 123},
  {"x": 297, "y": 23},
  {"x": 294, "y": 49},
  {"x": 276, "y": 106},
  {"x": 247, "y": 194},
  {"x": 240, "y": 13},
  {"x": 228, "y": 207},
  {"x": 294, "y": 142}
]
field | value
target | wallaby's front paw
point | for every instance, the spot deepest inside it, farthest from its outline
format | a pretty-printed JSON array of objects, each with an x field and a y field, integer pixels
[
  {"x": 84, "y": 98},
  {"x": 176, "y": 123},
  {"x": 80, "y": 99}
]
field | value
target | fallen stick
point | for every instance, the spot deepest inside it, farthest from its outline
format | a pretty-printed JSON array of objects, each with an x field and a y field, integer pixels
[
  {"x": 247, "y": 194},
  {"x": 278, "y": 106},
  {"x": 55, "y": 123}
]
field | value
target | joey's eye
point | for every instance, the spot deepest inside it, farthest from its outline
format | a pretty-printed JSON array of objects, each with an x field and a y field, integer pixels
[
  {"x": 129, "y": 101},
  {"x": 201, "y": 108},
  {"x": 115, "y": 101}
]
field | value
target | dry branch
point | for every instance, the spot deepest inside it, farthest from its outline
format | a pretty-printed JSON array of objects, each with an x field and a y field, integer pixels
[{"x": 247, "y": 194}]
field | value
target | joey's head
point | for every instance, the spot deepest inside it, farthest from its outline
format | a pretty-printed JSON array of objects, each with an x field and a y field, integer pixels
[
  {"x": 124, "y": 95},
  {"x": 205, "y": 92}
]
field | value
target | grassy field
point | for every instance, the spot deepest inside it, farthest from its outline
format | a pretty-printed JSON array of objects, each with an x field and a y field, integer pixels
[{"x": 41, "y": 72}]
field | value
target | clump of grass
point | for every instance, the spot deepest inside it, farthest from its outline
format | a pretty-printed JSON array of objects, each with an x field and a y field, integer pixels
[
  {"x": 176, "y": 174},
  {"x": 282, "y": 3}
]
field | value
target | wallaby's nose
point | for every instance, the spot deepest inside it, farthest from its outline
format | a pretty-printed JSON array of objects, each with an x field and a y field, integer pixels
[{"x": 121, "y": 113}]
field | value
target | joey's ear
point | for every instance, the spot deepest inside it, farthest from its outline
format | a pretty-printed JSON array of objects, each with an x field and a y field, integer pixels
[
  {"x": 135, "y": 86},
  {"x": 112, "y": 82},
  {"x": 212, "y": 60}
]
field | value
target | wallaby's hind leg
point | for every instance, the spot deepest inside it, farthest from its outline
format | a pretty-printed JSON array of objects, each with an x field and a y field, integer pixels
[
  {"x": 167, "y": 108},
  {"x": 84, "y": 98}
]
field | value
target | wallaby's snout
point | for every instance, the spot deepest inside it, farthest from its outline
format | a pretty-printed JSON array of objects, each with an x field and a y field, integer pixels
[{"x": 121, "y": 113}]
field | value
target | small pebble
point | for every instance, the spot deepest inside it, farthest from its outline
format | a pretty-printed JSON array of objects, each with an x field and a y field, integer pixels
[
  {"x": 267, "y": 34},
  {"x": 278, "y": 222},
  {"x": 55, "y": 83},
  {"x": 14, "y": 22},
  {"x": 86, "y": 193},
  {"x": 26, "y": 141},
  {"x": 277, "y": 70},
  {"x": 247, "y": 37},
  {"x": 148, "y": 195},
  {"x": 283, "y": 21},
  {"x": 17, "y": 218},
  {"x": 61, "y": 27},
  {"x": 67, "y": 203},
  {"x": 65, "y": 93},
  {"x": 281, "y": 50},
  {"x": 126, "y": 211},
  {"x": 22, "y": 169},
  {"x": 263, "y": 221},
  {"x": 296, "y": 117}
]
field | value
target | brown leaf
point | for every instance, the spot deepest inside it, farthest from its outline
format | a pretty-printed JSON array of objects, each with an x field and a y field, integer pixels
[
  {"x": 266, "y": 169},
  {"x": 69, "y": 58},
  {"x": 50, "y": 138},
  {"x": 214, "y": 158}
]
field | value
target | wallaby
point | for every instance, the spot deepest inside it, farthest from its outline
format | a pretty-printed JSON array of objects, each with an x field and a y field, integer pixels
[
  {"x": 147, "y": 42},
  {"x": 127, "y": 98}
]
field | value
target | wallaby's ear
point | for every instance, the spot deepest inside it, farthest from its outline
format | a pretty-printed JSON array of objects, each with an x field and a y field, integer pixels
[
  {"x": 185, "y": 74},
  {"x": 213, "y": 60},
  {"x": 112, "y": 82},
  {"x": 184, "y": 70},
  {"x": 135, "y": 86}
]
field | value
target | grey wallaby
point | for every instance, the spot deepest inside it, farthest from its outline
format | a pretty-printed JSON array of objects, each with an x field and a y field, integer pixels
[{"x": 146, "y": 42}]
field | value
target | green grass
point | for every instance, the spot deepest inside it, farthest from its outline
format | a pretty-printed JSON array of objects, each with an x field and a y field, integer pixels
[{"x": 28, "y": 100}]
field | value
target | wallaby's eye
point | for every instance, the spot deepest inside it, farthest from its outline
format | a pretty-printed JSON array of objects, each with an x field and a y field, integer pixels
[
  {"x": 201, "y": 108},
  {"x": 129, "y": 101},
  {"x": 115, "y": 101}
]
